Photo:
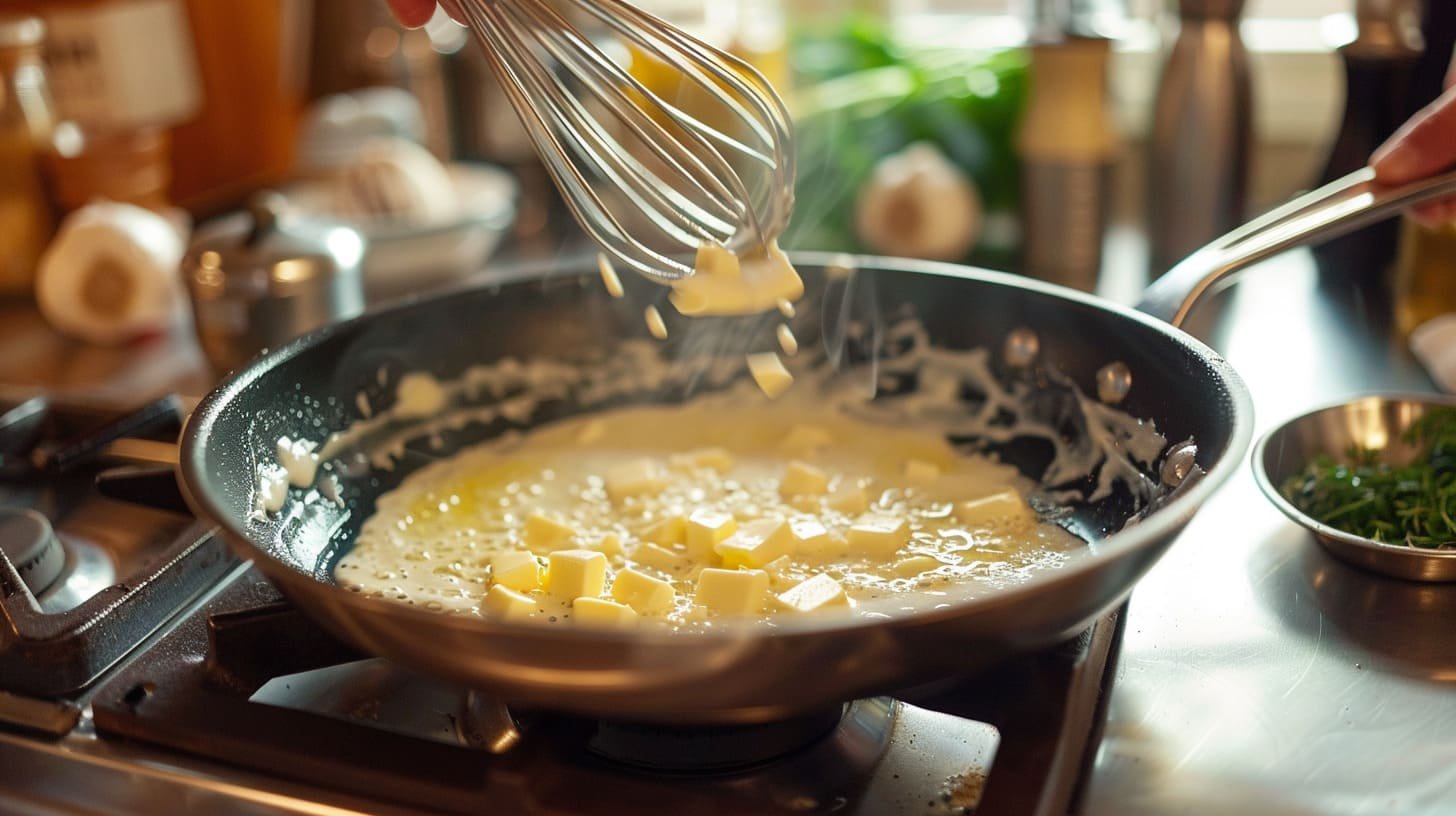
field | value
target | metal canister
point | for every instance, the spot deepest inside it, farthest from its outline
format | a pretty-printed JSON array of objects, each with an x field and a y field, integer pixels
[{"x": 260, "y": 278}]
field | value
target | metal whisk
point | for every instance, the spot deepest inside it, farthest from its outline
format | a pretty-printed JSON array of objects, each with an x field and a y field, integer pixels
[{"x": 646, "y": 177}]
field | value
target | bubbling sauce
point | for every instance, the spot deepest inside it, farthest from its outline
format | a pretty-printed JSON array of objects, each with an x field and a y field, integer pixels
[{"x": 685, "y": 515}]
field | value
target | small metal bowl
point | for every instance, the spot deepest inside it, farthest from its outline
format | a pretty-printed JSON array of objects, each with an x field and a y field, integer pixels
[{"x": 1377, "y": 422}]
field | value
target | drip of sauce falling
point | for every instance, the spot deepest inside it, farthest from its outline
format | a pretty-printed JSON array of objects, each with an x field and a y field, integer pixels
[
  {"x": 787, "y": 341},
  {"x": 655, "y": 326},
  {"x": 609, "y": 276}
]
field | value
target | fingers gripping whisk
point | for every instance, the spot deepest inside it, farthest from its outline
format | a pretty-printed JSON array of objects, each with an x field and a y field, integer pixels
[{"x": 651, "y": 174}]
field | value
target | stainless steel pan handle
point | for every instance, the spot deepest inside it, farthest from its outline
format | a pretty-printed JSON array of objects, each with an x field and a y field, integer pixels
[{"x": 1344, "y": 205}]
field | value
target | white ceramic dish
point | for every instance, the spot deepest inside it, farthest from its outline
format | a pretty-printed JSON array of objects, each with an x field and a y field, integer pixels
[{"x": 404, "y": 259}]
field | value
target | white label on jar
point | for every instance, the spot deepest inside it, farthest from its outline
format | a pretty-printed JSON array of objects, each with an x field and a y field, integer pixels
[{"x": 123, "y": 65}]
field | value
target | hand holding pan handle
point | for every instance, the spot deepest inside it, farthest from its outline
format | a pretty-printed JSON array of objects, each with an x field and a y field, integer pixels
[{"x": 1344, "y": 205}]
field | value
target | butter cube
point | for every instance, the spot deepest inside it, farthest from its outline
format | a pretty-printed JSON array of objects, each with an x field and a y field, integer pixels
[
  {"x": 756, "y": 543},
  {"x": 878, "y": 534},
  {"x": 780, "y": 572},
  {"x": 803, "y": 480},
  {"x": 920, "y": 472},
  {"x": 805, "y": 440},
  {"x": 668, "y": 531},
  {"x": 635, "y": 478},
  {"x": 915, "y": 565},
  {"x": 507, "y": 604},
  {"x": 819, "y": 592},
  {"x": 850, "y": 500},
  {"x": 516, "y": 569},
  {"x": 769, "y": 372},
  {"x": 602, "y": 614},
  {"x": 609, "y": 545},
  {"x": 1006, "y": 507},
  {"x": 832, "y": 545},
  {"x": 809, "y": 535},
  {"x": 716, "y": 459},
  {"x": 545, "y": 533},
  {"x": 705, "y": 529},
  {"x": 661, "y": 558},
  {"x": 732, "y": 592},
  {"x": 574, "y": 573},
  {"x": 642, "y": 592}
]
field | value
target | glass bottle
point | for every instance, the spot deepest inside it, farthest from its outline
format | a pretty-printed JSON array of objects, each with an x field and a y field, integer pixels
[
  {"x": 1425, "y": 275},
  {"x": 25, "y": 123},
  {"x": 122, "y": 72}
]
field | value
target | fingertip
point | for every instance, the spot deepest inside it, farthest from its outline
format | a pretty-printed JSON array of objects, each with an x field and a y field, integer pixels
[
  {"x": 1394, "y": 162},
  {"x": 1422, "y": 146},
  {"x": 412, "y": 13}
]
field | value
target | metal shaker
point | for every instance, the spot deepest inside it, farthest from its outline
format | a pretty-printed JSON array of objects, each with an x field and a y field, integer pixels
[
  {"x": 1201, "y": 136},
  {"x": 260, "y": 278}
]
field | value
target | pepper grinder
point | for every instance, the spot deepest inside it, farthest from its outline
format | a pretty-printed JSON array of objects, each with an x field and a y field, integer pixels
[
  {"x": 1066, "y": 145},
  {"x": 1201, "y": 136},
  {"x": 1379, "y": 64}
]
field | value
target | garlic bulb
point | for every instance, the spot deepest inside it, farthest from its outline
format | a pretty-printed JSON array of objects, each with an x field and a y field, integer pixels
[
  {"x": 917, "y": 204},
  {"x": 397, "y": 182},
  {"x": 110, "y": 274}
]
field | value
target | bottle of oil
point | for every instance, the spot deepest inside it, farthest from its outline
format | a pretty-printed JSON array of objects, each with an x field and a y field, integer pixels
[
  {"x": 25, "y": 125},
  {"x": 1425, "y": 297},
  {"x": 1425, "y": 274}
]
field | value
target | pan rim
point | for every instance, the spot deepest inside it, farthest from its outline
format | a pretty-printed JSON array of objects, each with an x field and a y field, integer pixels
[{"x": 1166, "y": 521}]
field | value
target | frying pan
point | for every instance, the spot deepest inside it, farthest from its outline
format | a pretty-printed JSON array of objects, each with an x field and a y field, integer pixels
[{"x": 738, "y": 673}]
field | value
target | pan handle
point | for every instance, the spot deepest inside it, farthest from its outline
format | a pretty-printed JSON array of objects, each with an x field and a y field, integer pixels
[{"x": 1344, "y": 205}]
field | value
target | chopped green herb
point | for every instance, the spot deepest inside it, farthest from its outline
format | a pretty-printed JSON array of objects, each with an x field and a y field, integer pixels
[{"x": 1413, "y": 504}]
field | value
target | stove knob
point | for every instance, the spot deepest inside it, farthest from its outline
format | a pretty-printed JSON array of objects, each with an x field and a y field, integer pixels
[{"x": 29, "y": 542}]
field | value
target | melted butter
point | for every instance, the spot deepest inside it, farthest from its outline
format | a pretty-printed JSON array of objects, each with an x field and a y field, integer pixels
[
  {"x": 724, "y": 284},
  {"x": 431, "y": 540}
]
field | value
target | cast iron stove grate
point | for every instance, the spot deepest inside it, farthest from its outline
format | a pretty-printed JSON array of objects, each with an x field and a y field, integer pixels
[
  {"x": 84, "y": 579},
  {"x": 248, "y": 681}
]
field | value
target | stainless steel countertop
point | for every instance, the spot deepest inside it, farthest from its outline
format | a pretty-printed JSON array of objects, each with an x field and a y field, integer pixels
[{"x": 1258, "y": 674}]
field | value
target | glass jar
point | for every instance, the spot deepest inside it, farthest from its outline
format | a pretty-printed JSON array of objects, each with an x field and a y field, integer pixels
[
  {"x": 25, "y": 125},
  {"x": 131, "y": 166}
]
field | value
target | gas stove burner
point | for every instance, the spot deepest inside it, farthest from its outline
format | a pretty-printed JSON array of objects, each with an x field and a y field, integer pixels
[
  {"x": 693, "y": 749},
  {"x": 89, "y": 568},
  {"x": 27, "y": 539},
  {"x": 84, "y": 579}
]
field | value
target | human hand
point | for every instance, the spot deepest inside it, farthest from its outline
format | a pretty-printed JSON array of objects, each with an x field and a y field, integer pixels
[
  {"x": 1424, "y": 145},
  {"x": 415, "y": 13}
]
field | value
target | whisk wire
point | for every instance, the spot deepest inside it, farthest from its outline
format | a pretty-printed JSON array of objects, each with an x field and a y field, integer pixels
[
  {"x": 579, "y": 195},
  {"x": 653, "y": 173},
  {"x": 711, "y": 207},
  {"x": 600, "y": 151},
  {"x": 621, "y": 92},
  {"x": 616, "y": 14}
]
